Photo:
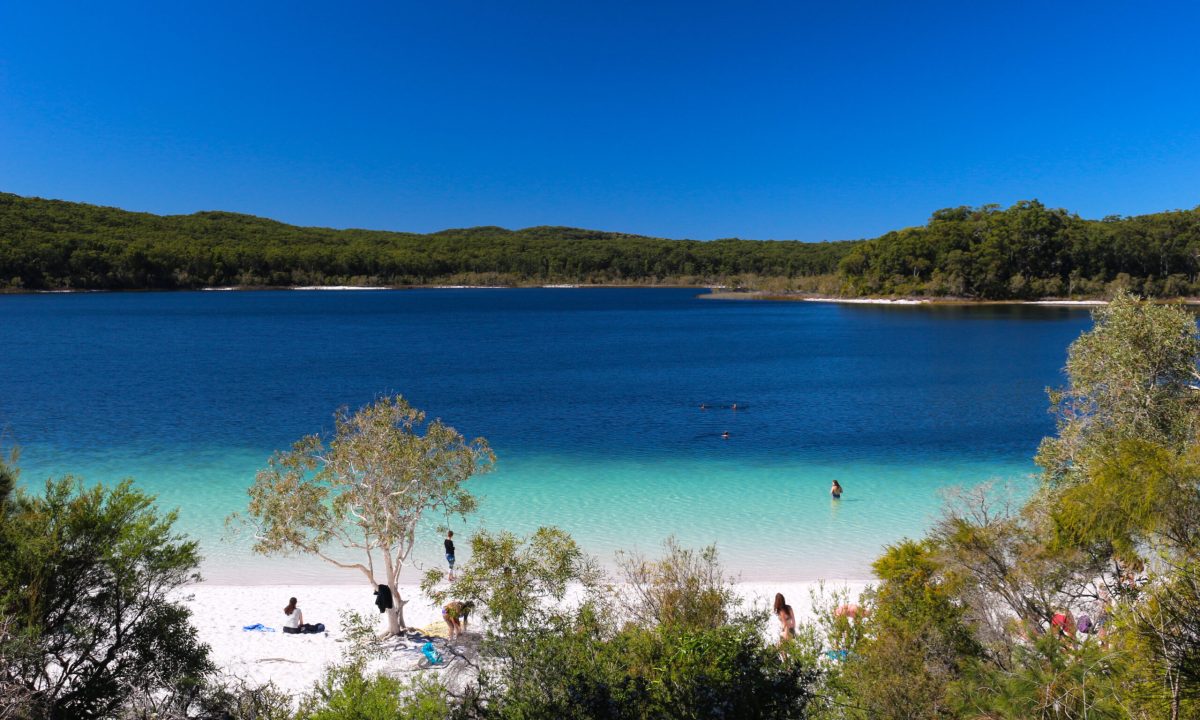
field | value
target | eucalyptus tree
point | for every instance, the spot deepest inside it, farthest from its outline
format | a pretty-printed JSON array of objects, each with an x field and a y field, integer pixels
[
  {"x": 355, "y": 499},
  {"x": 1132, "y": 377}
]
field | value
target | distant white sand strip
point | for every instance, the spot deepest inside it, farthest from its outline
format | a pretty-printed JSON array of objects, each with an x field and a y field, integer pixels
[
  {"x": 295, "y": 662},
  {"x": 1069, "y": 302},
  {"x": 868, "y": 301},
  {"x": 338, "y": 287}
]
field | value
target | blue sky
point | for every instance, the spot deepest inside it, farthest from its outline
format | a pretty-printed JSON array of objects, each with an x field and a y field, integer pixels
[{"x": 814, "y": 121}]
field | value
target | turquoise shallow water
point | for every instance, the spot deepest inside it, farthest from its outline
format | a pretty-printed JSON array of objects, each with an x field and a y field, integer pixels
[{"x": 591, "y": 399}]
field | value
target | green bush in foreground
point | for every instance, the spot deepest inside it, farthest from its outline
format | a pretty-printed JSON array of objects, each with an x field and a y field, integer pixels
[{"x": 84, "y": 579}]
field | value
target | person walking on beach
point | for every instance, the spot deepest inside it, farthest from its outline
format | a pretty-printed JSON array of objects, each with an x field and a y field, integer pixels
[
  {"x": 835, "y": 490},
  {"x": 787, "y": 619},
  {"x": 449, "y": 543}
]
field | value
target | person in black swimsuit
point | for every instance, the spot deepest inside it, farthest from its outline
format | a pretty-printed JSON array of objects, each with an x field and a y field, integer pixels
[{"x": 450, "y": 551}]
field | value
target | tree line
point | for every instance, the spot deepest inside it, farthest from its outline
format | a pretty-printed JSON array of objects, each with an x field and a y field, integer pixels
[
  {"x": 1026, "y": 251},
  {"x": 1030, "y": 251},
  {"x": 50, "y": 244}
]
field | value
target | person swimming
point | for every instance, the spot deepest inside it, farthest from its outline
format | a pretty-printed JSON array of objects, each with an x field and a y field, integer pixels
[
  {"x": 835, "y": 490},
  {"x": 725, "y": 435}
]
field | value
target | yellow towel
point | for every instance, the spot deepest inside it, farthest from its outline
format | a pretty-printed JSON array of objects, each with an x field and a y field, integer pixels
[{"x": 437, "y": 629}]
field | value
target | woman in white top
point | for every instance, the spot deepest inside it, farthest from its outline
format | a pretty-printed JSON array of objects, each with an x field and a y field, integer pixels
[{"x": 295, "y": 619}]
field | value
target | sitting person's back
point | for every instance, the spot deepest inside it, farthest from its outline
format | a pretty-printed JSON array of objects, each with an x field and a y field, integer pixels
[{"x": 295, "y": 619}]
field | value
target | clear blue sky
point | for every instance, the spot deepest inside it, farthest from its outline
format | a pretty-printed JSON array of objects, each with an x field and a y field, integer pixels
[{"x": 823, "y": 120}]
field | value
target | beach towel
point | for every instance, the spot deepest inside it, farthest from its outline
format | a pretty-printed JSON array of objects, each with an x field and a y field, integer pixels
[
  {"x": 431, "y": 654},
  {"x": 437, "y": 629},
  {"x": 258, "y": 627}
]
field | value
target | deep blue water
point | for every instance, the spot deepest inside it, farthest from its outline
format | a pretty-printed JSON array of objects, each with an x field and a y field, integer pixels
[{"x": 590, "y": 397}]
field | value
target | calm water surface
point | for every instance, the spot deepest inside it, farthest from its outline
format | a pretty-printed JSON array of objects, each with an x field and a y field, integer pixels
[{"x": 590, "y": 397}]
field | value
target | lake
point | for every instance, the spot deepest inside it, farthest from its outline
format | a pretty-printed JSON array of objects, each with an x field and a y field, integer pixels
[{"x": 591, "y": 399}]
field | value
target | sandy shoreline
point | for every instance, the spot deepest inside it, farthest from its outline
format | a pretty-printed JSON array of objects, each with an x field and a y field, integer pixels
[
  {"x": 295, "y": 662},
  {"x": 783, "y": 297}
]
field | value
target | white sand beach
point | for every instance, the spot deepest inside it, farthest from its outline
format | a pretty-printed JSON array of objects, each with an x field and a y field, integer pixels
[
  {"x": 295, "y": 662},
  {"x": 867, "y": 301}
]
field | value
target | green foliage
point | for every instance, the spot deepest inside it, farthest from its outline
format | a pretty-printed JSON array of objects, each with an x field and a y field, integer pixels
[
  {"x": 674, "y": 648},
  {"x": 1162, "y": 631},
  {"x": 362, "y": 645},
  {"x": 1030, "y": 251},
  {"x": 53, "y": 244},
  {"x": 348, "y": 693},
  {"x": 365, "y": 490},
  {"x": 1048, "y": 680},
  {"x": 515, "y": 577},
  {"x": 911, "y": 646},
  {"x": 684, "y": 588},
  {"x": 84, "y": 586},
  {"x": 1139, "y": 498},
  {"x": 573, "y": 668},
  {"x": 1026, "y": 251},
  {"x": 1130, "y": 378}
]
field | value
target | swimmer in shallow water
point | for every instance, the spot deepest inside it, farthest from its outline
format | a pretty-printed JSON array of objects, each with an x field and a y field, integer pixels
[
  {"x": 725, "y": 435},
  {"x": 835, "y": 490}
]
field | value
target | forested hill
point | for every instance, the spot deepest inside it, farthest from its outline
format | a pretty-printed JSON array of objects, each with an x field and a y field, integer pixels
[
  {"x": 50, "y": 244},
  {"x": 1022, "y": 252},
  {"x": 1030, "y": 251}
]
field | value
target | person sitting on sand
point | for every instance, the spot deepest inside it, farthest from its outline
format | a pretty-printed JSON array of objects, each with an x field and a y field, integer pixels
[
  {"x": 295, "y": 625},
  {"x": 836, "y": 490},
  {"x": 455, "y": 614},
  {"x": 295, "y": 618},
  {"x": 787, "y": 619}
]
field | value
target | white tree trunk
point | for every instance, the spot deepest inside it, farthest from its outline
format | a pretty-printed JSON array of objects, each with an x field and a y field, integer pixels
[{"x": 395, "y": 614}]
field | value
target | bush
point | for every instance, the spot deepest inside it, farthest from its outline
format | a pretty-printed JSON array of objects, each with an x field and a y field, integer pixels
[{"x": 84, "y": 580}]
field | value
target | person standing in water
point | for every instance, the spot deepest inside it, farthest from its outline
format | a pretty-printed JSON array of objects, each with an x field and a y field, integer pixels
[
  {"x": 835, "y": 490},
  {"x": 450, "y": 552}
]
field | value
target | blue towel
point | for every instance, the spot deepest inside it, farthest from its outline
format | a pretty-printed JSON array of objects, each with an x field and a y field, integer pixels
[
  {"x": 258, "y": 627},
  {"x": 431, "y": 653}
]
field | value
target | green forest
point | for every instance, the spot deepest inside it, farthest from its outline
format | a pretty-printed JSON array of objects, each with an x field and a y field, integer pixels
[
  {"x": 1026, "y": 251},
  {"x": 48, "y": 244}
]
